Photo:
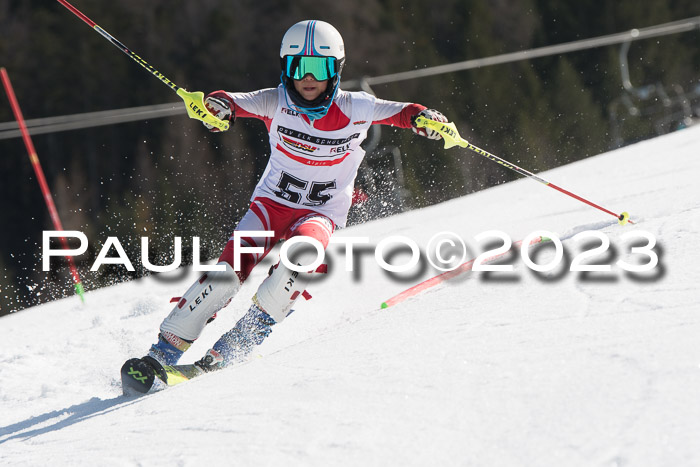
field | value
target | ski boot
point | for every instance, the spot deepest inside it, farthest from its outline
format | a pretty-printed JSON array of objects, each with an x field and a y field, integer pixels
[
  {"x": 211, "y": 361},
  {"x": 140, "y": 374},
  {"x": 239, "y": 342},
  {"x": 249, "y": 332}
]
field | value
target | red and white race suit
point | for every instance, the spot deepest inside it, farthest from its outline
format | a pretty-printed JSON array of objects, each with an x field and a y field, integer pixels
[{"x": 313, "y": 163}]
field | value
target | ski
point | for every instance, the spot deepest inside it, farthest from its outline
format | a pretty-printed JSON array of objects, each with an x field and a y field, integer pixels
[
  {"x": 177, "y": 374},
  {"x": 144, "y": 375}
]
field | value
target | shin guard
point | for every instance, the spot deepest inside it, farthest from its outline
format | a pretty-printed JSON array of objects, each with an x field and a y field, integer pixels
[
  {"x": 282, "y": 288},
  {"x": 212, "y": 291}
]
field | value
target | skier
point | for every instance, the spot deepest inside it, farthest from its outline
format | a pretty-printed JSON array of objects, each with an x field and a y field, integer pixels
[{"x": 315, "y": 130}]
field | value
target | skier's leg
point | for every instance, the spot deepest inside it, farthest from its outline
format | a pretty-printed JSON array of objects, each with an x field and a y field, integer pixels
[
  {"x": 210, "y": 293},
  {"x": 274, "y": 299}
]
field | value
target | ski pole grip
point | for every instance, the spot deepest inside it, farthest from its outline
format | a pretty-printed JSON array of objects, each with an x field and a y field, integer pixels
[
  {"x": 448, "y": 131},
  {"x": 194, "y": 103}
]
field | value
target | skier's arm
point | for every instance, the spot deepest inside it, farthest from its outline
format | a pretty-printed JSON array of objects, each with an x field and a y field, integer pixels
[
  {"x": 395, "y": 113},
  {"x": 403, "y": 115},
  {"x": 228, "y": 105}
]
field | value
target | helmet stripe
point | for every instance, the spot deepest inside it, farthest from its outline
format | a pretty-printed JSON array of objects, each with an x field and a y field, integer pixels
[
  {"x": 311, "y": 38},
  {"x": 311, "y": 41},
  {"x": 310, "y": 35},
  {"x": 306, "y": 38}
]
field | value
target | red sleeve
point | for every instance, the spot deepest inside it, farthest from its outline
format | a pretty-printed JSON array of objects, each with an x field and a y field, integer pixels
[{"x": 402, "y": 118}]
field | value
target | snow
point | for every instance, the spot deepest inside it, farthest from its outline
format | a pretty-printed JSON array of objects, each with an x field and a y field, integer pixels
[{"x": 518, "y": 368}]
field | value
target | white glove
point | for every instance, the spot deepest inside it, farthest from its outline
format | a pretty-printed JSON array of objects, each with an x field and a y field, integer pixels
[
  {"x": 430, "y": 114},
  {"x": 220, "y": 108}
]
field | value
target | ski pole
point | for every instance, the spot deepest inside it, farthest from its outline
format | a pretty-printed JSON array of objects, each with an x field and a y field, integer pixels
[
  {"x": 451, "y": 137},
  {"x": 194, "y": 101},
  {"x": 78, "y": 285}
]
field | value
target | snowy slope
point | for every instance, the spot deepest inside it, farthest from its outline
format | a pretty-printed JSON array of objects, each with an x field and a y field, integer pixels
[{"x": 515, "y": 369}]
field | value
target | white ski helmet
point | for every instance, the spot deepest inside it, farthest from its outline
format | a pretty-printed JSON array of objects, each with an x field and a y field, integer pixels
[{"x": 316, "y": 48}]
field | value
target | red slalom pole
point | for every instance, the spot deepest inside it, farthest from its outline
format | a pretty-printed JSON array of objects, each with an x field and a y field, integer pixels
[
  {"x": 79, "y": 289},
  {"x": 445, "y": 276}
]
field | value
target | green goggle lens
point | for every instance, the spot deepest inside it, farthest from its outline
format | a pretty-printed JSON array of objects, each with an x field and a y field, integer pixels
[{"x": 321, "y": 68}]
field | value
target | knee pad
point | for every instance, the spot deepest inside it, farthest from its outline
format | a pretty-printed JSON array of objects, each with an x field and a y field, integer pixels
[
  {"x": 212, "y": 291},
  {"x": 282, "y": 287}
]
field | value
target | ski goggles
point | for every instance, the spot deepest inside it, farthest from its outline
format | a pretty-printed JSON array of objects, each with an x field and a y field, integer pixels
[{"x": 321, "y": 68}]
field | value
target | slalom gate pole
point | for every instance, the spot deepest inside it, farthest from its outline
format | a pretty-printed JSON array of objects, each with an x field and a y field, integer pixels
[
  {"x": 446, "y": 276},
  {"x": 451, "y": 137},
  {"x": 78, "y": 285},
  {"x": 194, "y": 101}
]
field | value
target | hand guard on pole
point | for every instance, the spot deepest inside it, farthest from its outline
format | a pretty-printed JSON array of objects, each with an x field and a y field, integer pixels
[
  {"x": 221, "y": 109},
  {"x": 428, "y": 132}
]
